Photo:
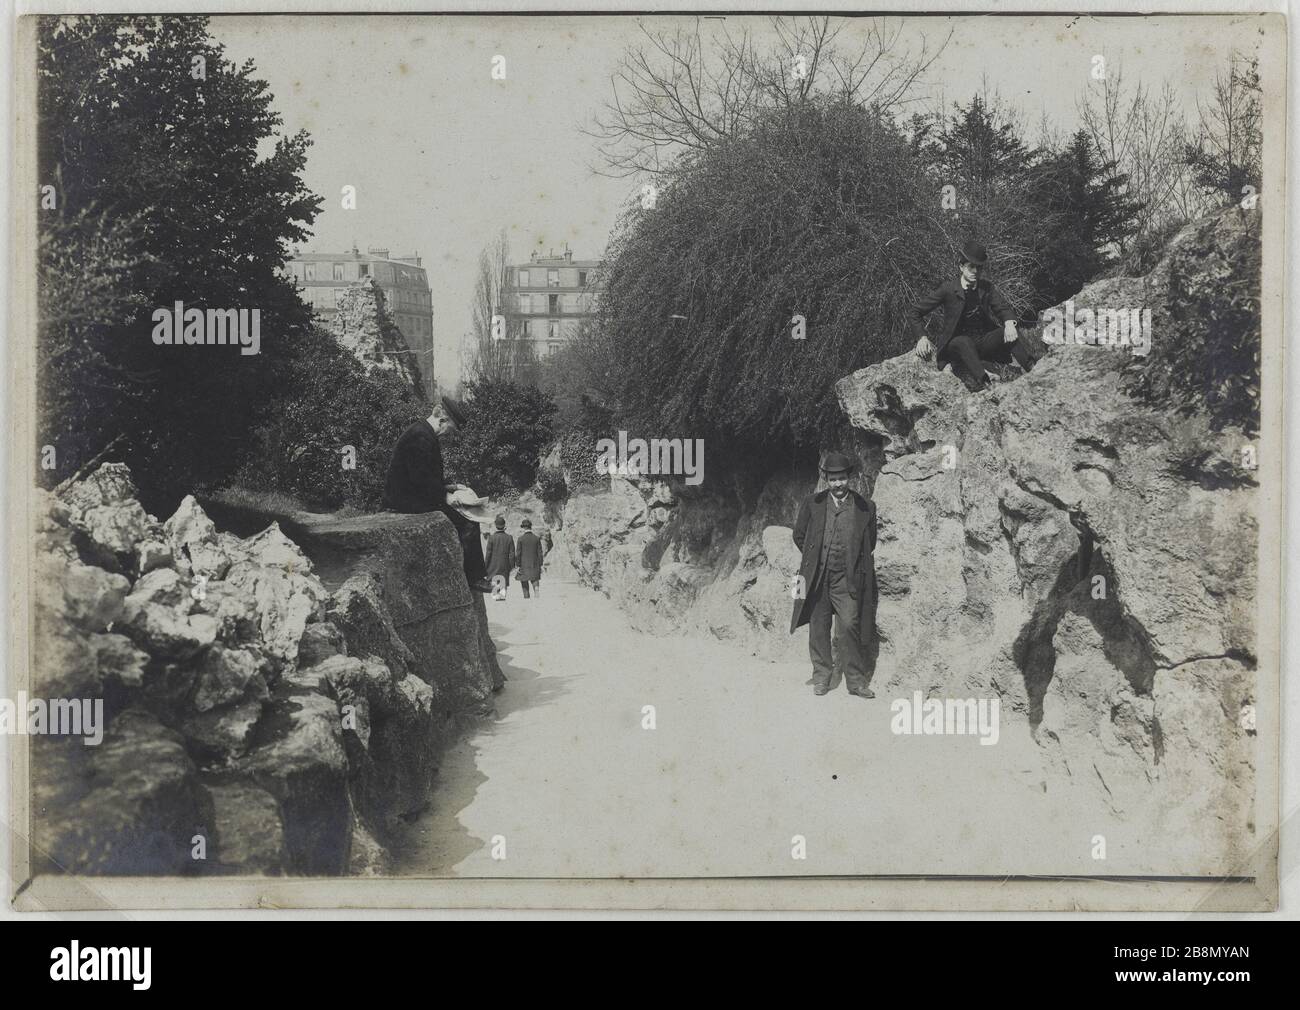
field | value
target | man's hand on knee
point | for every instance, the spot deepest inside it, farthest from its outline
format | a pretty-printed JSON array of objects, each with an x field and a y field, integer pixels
[
  {"x": 924, "y": 349},
  {"x": 1009, "y": 332}
]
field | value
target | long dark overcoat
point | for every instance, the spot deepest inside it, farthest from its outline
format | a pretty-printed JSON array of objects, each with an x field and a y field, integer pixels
[
  {"x": 808, "y": 530},
  {"x": 500, "y": 555},
  {"x": 528, "y": 555}
]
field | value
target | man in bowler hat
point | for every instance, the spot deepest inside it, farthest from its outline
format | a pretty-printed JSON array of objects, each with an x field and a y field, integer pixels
[
  {"x": 415, "y": 483},
  {"x": 529, "y": 552},
  {"x": 836, "y": 535},
  {"x": 500, "y": 559},
  {"x": 978, "y": 324}
]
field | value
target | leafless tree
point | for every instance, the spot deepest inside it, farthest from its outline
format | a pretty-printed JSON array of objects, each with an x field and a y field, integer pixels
[
  {"x": 1143, "y": 133},
  {"x": 500, "y": 351},
  {"x": 687, "y": 90},
  {"x": 1226, "y": 153}
]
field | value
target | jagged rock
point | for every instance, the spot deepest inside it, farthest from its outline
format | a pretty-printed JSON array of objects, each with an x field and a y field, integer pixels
[
  {"x": 128, "y": 806},
  {"x": 234, "y": 610},
  {"x": 305, "y": 767},
  {"x": 194, "y": 542},
  {"x": 321, "y": 640},
  {"x": 118, "y": 661},
  {"x": 357, "y": 610},
  {"x": 285, "y": 601},
  {"x": 220, "y": 735},
  {"x": 92, "y": 598},
  {"x": 224, "y": 675},
  {"x": 248, "y": 837},
  {"x": 362, "y": 324},
  {"x": 165, "y": 631},
  {"x": 162, "y": 586},
  {"x": 152, "y": 555}
]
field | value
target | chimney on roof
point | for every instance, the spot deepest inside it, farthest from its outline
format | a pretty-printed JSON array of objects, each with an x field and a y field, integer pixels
[{"x": 568, "y": 253}]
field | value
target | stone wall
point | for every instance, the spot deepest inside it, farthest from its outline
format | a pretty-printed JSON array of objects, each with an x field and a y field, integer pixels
[{"x": 268, "y": 718}]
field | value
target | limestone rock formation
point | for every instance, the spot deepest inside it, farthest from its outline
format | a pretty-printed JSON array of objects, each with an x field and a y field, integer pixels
[
  {"x": 1055, "y": 542},
  {"x": 256, "y": 721},
  {"x": 362, "y": 324}
]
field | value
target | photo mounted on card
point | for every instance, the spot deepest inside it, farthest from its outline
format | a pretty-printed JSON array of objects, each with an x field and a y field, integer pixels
[{"x": 676, "y": 461}]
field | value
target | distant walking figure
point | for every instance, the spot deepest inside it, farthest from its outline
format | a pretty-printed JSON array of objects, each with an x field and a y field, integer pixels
[
  {"x": 978, "y": 324},
  {"x": 836, "y": 534},
  {"x": 531, "y": 550},
  {"x": 500, "y": 559},
  {"x": 415, "y": 483}
]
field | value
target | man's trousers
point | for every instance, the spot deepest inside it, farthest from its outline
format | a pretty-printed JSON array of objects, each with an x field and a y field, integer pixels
[
  {"x": 537, "y": 587},
  {"x": 968, "y": 355},
  {"x": 831, "y": 595}
]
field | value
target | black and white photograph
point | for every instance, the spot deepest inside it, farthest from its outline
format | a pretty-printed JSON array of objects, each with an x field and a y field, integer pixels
[{"x": 790, "y": 461}]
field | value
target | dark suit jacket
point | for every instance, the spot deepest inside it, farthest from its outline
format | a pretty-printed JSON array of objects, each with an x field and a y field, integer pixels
[
  {"x": 808, "y": 531},
  {"x": 529, "y": 553},
  {"x": 500, "y": 555},
  {"x": 415, "y": 482},
  {"x": 951, "y": 297}
]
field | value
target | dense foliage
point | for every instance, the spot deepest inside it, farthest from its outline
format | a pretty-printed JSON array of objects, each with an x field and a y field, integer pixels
[
  {"x": 507, "y": 426},
  {"x": 164, "y": 190}
]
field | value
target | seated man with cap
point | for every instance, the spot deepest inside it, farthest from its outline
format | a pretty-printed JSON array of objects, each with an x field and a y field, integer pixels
[
  {"x": 415, "y": 483},
  {"x": 836, "y": 535},
  {"x": 978, "y": 324}
]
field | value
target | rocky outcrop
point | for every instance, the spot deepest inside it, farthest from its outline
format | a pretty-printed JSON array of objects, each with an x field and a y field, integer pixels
[
  {"x": 259, "y": 718},
  {"x": 1055, "y": 542},
  {"x": 362, "y": 324}
]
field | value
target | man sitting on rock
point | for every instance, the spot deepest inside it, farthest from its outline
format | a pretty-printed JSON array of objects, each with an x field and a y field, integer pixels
[
  {"x": 977, "y": 325},
  {"x": 836, "y": 534},
  {"x": 415, "y": 483}
]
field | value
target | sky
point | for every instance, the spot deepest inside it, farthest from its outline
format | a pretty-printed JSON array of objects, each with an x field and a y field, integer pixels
[{"x": 443, "y": 157}]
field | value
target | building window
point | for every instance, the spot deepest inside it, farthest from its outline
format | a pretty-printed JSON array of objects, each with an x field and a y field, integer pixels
[
  {"x": 525, "y": 303},
  {"x": 309, "y": 271},
  {"x": 554, "y": 307},
  {"x": 338, "y": 271},
  {"x": 553, "y": 329},
  {"x": 528, "y": 328},
  {"x": 363, "y": 269},
  {"x": 523, "y": 278},
  {"x": 552, "y": 346},
  {"x": 552, "y": 278},
  {"x": 582, "y": 278}
]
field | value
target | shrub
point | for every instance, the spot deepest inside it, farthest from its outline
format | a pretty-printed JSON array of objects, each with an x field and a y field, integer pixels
[
  {"x": 498, "y": 448},
  {"x": 301, "y": 436},
  {"x": 1206, "y": 355}
]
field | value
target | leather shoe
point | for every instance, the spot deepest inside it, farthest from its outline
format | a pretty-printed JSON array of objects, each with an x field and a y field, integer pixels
[
  {"x": 820, "y": 689},
  {"x": 862, "y": 692},
  {"x": 481, "y": 586}
]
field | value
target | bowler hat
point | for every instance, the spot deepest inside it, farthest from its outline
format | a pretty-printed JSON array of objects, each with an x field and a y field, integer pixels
[
  {"x": 836, "y": 462},
  {"x": 455, "y": 410},
  {"x": 974, "y": 253}
]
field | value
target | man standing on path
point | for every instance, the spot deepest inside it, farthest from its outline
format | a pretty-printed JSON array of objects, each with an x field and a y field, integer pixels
[
  {"x": 836, "y": 535},
  {"x": 978, "y": 324},
  {"x": 415, "y": 483},
  {"x": 500, "y": 559},
  {"x": 531, "y": 551}
]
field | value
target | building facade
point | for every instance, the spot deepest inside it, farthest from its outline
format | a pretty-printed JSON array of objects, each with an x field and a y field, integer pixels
[
  {"x": 323, "y": 277},
  {"x": 549, "y": 299}
]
